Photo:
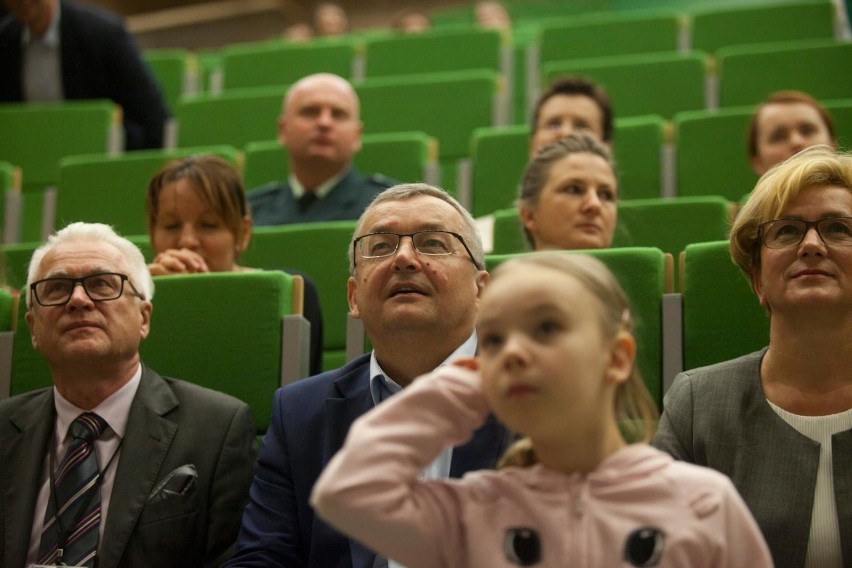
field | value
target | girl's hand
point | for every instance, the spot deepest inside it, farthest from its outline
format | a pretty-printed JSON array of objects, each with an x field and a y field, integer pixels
[{"x": 177, "y": 261}]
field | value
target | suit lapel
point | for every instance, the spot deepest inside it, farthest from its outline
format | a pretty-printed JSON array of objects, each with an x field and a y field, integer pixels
[
  {"x": 143, "y": 450},
  {"x": 22, "y": 455}
]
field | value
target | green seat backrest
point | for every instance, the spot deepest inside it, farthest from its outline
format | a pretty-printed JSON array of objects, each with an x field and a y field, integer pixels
[
  {"x": 235, "y": 117},
  {"x": 175, "y": 71},
  {"x": 403, "y": 156},
  {"x": 6, "y": 304},
  {"x": 500, "y": 156},
  {"x": 320, "y": 251},
  {"x": 7, "y": 176},
  {"x": 722, "y": 317},
  {"x": 642, "y": 274},
  {"x": 508, "y": 235},
  {"x": 447, "y": 106},
  {"x": 434, "y": 51},
  {"x": 29, "y": 368},
  {"x": 112, "y": 189},
  {"x": 10, "y": 182},
  {"x": 279, "y": 62},
  {"x": 605, "y": 34},
  {"x": 222, "y": 331},
  {"x": 841, "y": 112},
  {"x": 712, "y": 158},
  {"x": 16, "y": 257},
  {"x": 748, "y": 74},
  {"x": 670, "y": 224},
  {"x": 716, "y": 27},
  {"x": 36, "y": 136},
  {"x": 657, "y": 83}
]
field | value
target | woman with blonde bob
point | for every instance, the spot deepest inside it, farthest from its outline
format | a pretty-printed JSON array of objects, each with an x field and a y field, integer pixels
[
  {"x": 556, "y": 364},
  {"x": 778, "y": 422}
]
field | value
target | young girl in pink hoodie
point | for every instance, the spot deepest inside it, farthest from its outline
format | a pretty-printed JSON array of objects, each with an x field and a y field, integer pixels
[{"x": 556, "y": 364}]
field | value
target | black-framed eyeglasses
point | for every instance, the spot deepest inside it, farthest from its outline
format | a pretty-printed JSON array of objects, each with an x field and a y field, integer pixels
[
  {"x": 783, "y": 233},
  {"x": 432, "y": 243},
  {"x": 100, "y": 287}
]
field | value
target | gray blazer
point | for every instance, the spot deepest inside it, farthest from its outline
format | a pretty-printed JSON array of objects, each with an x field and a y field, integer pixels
[
  {"x": 171, "y": 424},
  {"x": 717, "y": 416}
]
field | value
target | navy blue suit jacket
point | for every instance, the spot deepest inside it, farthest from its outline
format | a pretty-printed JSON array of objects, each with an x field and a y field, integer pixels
[
  {"x": 310, "y": 420},
  {"x": 100, "y": 60}
]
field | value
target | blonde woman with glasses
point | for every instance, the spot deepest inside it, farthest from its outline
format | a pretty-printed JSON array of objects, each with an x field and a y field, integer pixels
[{"x": 779, "y": 421}]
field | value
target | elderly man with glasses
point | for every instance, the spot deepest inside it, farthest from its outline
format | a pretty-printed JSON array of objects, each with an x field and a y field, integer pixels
[
  {"x": 778, "y": 422},
  {"x": 114, "y": 465},
  {"x": 417, "y": 271}
]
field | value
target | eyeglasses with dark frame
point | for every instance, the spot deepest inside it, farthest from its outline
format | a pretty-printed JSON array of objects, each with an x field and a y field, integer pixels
[
  {"x": 432, "y": 243},
  {"x": 783, "y": 233},
  {"x": 100, "y": 287}
]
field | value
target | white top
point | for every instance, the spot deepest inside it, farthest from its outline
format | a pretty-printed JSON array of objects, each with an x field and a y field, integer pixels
[
  {"x": 824, "y": 541},
  {"x": 115, "y": 411}
]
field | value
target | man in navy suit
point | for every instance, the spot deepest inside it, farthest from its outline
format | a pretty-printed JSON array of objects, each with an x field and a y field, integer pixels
[
  {"x": 417, "y": 271},
  {"x": 54, "y": 51}
]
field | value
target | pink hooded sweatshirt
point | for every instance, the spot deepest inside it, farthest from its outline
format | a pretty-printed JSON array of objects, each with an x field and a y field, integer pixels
[{"x": 638, "y": 508}]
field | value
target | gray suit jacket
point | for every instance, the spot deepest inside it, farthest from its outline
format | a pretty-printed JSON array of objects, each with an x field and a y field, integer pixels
[
  {"x": 717, "y": 416},
  {"x": 171, "y": 424}
]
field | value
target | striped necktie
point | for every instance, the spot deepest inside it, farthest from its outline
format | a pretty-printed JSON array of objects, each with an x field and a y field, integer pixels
[{"x": 71, "y": 536}]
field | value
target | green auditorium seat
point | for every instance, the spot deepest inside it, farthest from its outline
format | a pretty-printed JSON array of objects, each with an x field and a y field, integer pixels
[
  {"x": 748, "y": 74},
  {"x": 712, "y": 157},
  {"x": 320, "y": 251},
  {"x": 7, "y": 311},
  {"x": 670, "y": 224},
  {"x": 436, "y": 51},
  {"x": 279, "y": 62},
  {"x": 403, "y": 156},
  {"x": 722, "y": 317},
  {"x": 841, "y": 112},
  {"x": 499, "y": 156},
  {"x": 448, "y": 106},
  {"x": 10, "y": 201},
  {"x": 29, "y": 369},
  {"x": 234, "y": 117},
  {"x": 655, "y": 83},
  {"x": 608, "y": 34},
  {"x": 112, "y": 189},
  {"x": 720, "y": 26},
  {"x": 176, "y": 70},
  {"x": 36, "y": 136},
  {"x": 644, "y": 273},
  {"x": 231, "y": 332},
  {"x": 507, "y": 236}
]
